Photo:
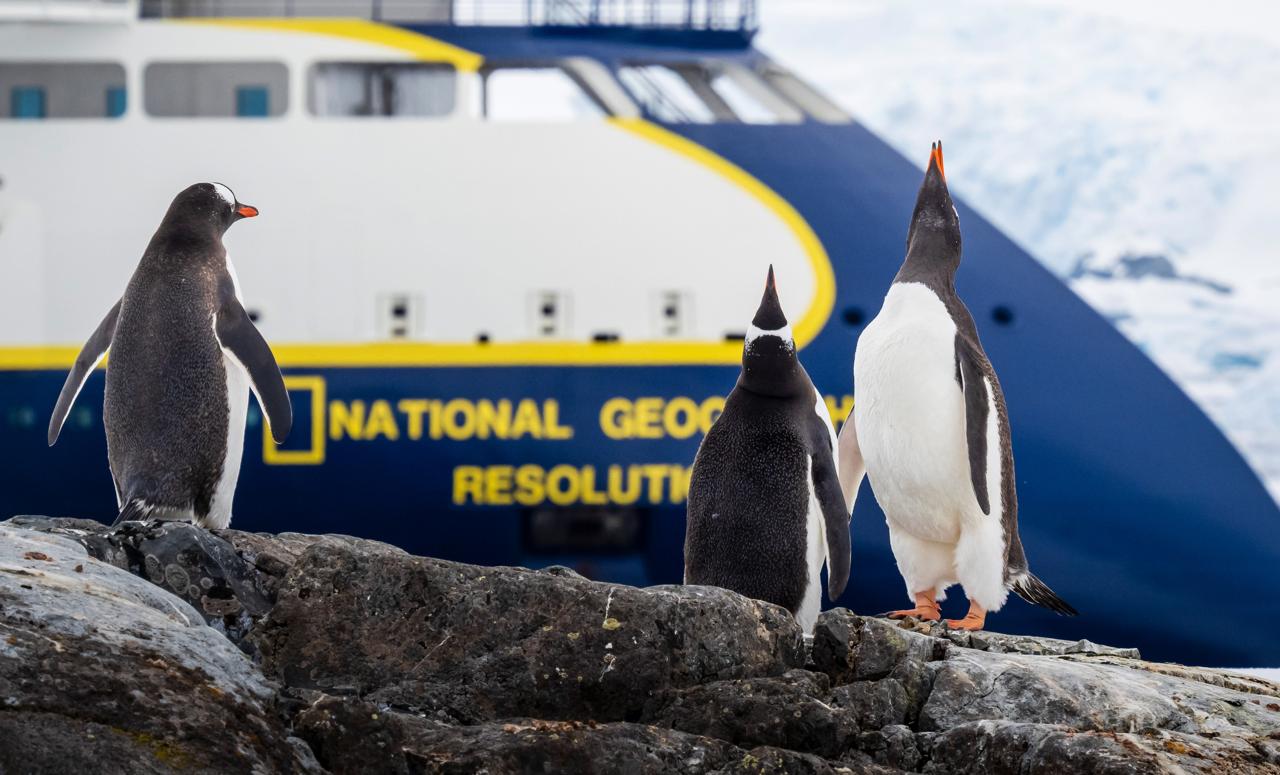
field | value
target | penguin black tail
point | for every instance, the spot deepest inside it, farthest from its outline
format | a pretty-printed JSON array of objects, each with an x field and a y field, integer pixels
[
  {"x": 1036, "y": 592},
  {"x": 135, "y": 510}
]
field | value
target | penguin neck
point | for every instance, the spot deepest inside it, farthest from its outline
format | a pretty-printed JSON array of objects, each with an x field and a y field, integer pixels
[
  {"x": 932, "y": 262},
  {"x": 770, "y": 368},
  {"x": 185, "y": 239}
]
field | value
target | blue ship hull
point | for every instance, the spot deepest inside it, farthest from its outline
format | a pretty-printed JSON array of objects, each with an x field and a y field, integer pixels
[{"x": 1133, "y": 505}]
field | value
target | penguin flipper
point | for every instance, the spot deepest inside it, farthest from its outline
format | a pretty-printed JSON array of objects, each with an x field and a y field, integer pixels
[
  {"x": 835, "y": 517},
  {"x": 851, "y": 466},
  {"x": 90, "y": 355},
  {"x": 977, "y": 407},
  {"x": 240, "y": 339}
]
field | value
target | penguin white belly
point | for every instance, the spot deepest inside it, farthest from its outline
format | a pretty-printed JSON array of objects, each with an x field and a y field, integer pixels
[
  {"x": 910, "y": 416},
  {"x": 237, "y": 410},
  {"x": 815, "y": 556}
]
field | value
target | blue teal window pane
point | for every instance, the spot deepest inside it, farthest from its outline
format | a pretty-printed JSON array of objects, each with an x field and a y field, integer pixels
[
  {"x": 27, "y": 102},
  {"x": 115, "y": 101},
  {"x": 252, "y": 101}
]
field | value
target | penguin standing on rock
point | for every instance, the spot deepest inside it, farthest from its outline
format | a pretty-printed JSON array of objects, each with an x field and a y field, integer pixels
[
  {"x": 930, "y": 426},
  {"x": 184, "y": 356},
  {"x": 765, "y": 509}
]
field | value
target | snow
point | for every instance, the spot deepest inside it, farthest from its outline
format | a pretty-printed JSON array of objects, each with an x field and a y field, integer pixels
[{"x": 1130, "y": 147}]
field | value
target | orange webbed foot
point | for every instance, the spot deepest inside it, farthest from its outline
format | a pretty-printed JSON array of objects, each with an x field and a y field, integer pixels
[
  {"x": 973, "y": 621},
  {"x": 922, "y": 613}
]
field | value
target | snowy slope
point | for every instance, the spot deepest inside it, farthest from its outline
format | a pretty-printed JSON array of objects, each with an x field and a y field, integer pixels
[{"x": 1131, "y": 148}]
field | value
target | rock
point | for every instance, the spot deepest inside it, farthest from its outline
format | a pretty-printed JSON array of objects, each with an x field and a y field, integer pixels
[
  {"x": 102, "y": 671},
  {"x": 483, "y": 643},
  {"x": 848, "y": 647},
  {"x": 354, "y": 736},
  {"x": 786, "y": 712},
  {"x": 392, "y": 663}
]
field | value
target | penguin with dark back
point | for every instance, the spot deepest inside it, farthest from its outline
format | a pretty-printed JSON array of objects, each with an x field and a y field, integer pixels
[
  {"x": 184, "y": 355},
  {"x": 930, "y": 428},
  {"x": 765, "y": 510}
]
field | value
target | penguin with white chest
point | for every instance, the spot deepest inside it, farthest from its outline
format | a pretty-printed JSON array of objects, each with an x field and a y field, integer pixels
[
  {"x": 765, "y": 509},
  {"x": 184, "y": 356},
  {"x": 930, "y": 428}
]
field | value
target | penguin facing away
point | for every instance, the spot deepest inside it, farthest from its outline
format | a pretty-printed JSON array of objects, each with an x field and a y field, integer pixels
[
  {"x": 930, "y": 429},
  {"x": 184, "y": 356},
  {"x": 765, "y": 509}
]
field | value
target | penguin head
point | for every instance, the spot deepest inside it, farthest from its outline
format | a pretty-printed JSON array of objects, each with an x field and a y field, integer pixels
[
  {"x": 933, "y": 240},
  {"x": 208, "y": 206},
  {"x": 769, "y": 363}
]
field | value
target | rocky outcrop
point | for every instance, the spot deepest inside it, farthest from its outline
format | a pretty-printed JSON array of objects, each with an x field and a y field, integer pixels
[
  {"x": 101, "y": 671},
  {"x": 385, "y": 662}
]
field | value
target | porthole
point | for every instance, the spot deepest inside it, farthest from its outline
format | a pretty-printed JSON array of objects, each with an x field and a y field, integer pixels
[
  {"x": 1002, "y": 315},
  {"x": 853, "y": 316}
]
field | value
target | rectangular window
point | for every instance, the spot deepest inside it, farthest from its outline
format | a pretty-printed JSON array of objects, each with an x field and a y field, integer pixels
[
  {"x": 115, "y": 102},
  {"x": 27, "y": 102},
  {"x": 216, "y": 89},
  {"x": 37, "y": 90},
  {"x": 357, "y": 89},
  {"x": 253, "y": 101},
  {"x": 536, "y": 93}
]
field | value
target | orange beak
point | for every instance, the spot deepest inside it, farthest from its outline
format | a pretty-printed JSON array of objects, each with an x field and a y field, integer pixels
[
  {"x": 247, "y": 211},
  {"x": 935, "y": 155}
]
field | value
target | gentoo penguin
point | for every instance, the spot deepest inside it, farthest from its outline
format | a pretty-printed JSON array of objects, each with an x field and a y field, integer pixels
[
  {"x": 930, "y": 429},
  {"x": 184, "y": 355},
  {"x": 764, "y": 508}
]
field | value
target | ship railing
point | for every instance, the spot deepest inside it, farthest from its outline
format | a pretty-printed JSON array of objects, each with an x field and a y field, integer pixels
[
  {"x": 68, "y": 10},
  {"x": 735, "y": 15}
]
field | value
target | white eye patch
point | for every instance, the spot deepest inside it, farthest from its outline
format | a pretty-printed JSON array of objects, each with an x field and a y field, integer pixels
[
  {"x": 783, "y": 333},
  {"x": 225, "y": 193}
]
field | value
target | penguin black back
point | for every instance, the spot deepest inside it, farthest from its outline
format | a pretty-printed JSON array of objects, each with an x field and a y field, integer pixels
[{"x": 765, "y": 508}]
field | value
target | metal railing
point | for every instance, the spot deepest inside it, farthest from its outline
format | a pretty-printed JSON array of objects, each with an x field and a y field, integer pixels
[
  {"x": 68, "y": 10},
  {"x": 734, "y": 15}
]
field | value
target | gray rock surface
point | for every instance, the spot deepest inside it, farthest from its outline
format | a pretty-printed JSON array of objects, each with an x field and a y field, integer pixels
[
  {"x": 378, "y": 661},
  {"x": 101, "y": 671}
]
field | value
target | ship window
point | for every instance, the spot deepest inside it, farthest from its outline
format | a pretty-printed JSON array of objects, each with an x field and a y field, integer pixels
[
  {"x": 115, "y": 101},
  {"x": 216, "y": 89},
  {"x": 35, "y": 90},
  {"x": 698, "y": 93},
  {"x": 665, "y": 95},
  {"x": 804, "y": 96},
  {"x": 540, "y": 93},
  {"x": 378, "y": 89}
]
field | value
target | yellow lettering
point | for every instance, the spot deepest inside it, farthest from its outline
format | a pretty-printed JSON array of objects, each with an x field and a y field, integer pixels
[
  {"x": 528, "y": 421},
  {"x": 497, "y": 485},
  {"x": 468, "y": 482},
  {"x": 529, "y": 485},
  {"x": 710, "y": 411},
  {"x": 381, "y": 422},
  {"x": 680, "y": 483},
  {"x": 459, "y": 419},
  {"x": 493, "y": 420},
  {"x": 562, "y": 485},
  {"x": 839, "y": 408},
  {"x": 655, "y": 473},
  {"x": 590, "y": 495},
  {"x": 435, "y": 431},
  {"x": 556, "y": 431},
  {"x": 647, "y": 416},
  {"x": 680, "y": 418},
  {"x": 616, "y": 493},
  {"x": 346, "y": 419},
  {"x": 615, "y": 418},
  {"x": 413, "y": 409}
]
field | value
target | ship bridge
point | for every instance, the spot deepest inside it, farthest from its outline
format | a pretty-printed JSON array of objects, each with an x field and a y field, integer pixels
[{"x": 738, "y": 16}]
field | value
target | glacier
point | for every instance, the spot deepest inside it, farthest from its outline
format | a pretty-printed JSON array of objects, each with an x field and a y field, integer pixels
[{"x": 1130, "y": 148}]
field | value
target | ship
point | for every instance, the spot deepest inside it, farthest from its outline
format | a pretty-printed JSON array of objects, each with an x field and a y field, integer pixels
[{"x": 507, "y": 255}]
